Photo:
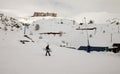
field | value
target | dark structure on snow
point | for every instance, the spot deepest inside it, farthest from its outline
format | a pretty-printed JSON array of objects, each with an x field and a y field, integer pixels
[
  {"x": 43, "y": 14},
  {"x": 115, "y": 48}
]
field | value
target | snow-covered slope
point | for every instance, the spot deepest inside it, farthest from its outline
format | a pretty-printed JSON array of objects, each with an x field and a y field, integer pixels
[
  {"x": 103, "y": 35},
  {"x": 29, "y": 58},
  {"x": 9, "y": 23},
  {"x": 64, "y": 28},
  {"x": 97, "y": 17},
  {"x": 63, "y": 32}
]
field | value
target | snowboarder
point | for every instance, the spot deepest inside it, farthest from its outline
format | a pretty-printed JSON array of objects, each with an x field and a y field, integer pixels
[{"x": 47, "y": 50}]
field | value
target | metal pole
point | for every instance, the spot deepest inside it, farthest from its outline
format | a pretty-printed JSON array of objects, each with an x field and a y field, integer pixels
[
  {"x": 111, "y": 37},
  {"x": 86, "y": 30},
  {"x": 118, "y": 28},
  {"x": 88, "y": 47},
  {"x": 24, "y": 29}
]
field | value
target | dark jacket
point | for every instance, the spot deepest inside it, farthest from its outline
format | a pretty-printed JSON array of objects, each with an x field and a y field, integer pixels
[{"x": 47, "y": 48}]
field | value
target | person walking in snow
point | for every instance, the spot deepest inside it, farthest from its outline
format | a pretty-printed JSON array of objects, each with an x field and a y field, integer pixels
[{"x": 47, "y": 50}]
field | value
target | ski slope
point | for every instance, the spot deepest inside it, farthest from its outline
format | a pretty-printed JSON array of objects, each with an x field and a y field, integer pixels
[
  {"x": 104, "y": 35},
  {"x": 29, "y": 58}
]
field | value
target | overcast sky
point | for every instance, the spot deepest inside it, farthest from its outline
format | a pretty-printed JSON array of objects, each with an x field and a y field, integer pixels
[{"x": 62, "y": 7}]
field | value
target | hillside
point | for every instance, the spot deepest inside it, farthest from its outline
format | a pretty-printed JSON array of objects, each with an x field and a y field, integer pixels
[
  {"x": 62, "y": 31},
  {"x": 69, "y": 36},
  {"x": 98, "y": 17},
  {"x": 19, "y": 57},
  {"x": 8, "y": 23}
]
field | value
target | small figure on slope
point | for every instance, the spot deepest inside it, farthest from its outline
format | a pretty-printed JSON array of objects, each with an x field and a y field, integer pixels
[{"x": 47, "y": 50}]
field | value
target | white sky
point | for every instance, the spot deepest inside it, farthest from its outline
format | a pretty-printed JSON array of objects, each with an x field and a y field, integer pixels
[{"x": 62, "y": 7}]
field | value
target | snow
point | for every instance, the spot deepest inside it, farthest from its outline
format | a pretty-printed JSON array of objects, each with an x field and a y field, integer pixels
[
  {"x": 97, "y": 17},
  {"x": 75, "y": 38},
  {"x": 29, "y": 58}
]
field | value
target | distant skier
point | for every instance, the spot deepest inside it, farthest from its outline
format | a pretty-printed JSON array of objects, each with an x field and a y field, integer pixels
[{"x": 47, "y": 50}]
